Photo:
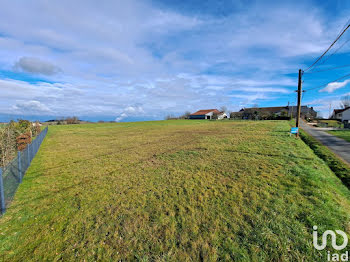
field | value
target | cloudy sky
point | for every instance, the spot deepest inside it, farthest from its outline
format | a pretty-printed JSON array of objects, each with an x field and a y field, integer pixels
[{"x": 135, "y": 60}]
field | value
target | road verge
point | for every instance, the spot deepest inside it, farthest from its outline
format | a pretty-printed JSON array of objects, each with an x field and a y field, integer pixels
[{"x": 341, "y": 169}]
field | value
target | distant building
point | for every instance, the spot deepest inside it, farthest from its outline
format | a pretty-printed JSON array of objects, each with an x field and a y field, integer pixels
[
  {"x": 263, "y": 112},
  {"x": 208, "y": 114},
  {"x": 341, "y": 114},
  {"x": 305, "y": 112},
  {"x": 222, "y": 115},
  {"x": 278, "y": 112},
  {"x": 36, "y": 124}
]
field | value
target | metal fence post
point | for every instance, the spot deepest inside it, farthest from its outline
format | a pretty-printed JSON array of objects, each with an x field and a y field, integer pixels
[
  {"x": 30, "y": 152},
  {"x": 19, "y": 166},
  {"x": 27, "y": 165},
  {"x": 2, "y": 194}
]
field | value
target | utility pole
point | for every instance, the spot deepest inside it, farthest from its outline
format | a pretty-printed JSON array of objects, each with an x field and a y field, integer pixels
[{"x": 299, "y": 98}]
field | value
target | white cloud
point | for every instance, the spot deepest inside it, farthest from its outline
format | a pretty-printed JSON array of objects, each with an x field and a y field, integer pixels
[
  {"x": 164, "y": 60},
  {"x": 133, "y": 109},
  {"x": 166, "y": 21},
  {"x": 215, "y": 87},
  {"x": 250, "y": 99},
  {"x": 266, "y": 90},
  {"x": 130, "y": 111},
  {"x": 31, "y": 107},
  {"x": 331, "y": 87},
  {"x": 36, "y": 66},
  {"x": 326, "y": 105}
]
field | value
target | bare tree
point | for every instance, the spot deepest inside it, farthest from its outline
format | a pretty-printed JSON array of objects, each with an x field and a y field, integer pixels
[
  {"x": 186, "y": 115},
  {"x": 223, "y": 109},
  {"x": 72, "y": 120},
  {"x": 345, "y": 101},
  {"x": 170, "y": 117}
]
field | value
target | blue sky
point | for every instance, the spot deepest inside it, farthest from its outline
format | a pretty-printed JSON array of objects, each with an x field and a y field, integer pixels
[{"x": 139, "y": 60}]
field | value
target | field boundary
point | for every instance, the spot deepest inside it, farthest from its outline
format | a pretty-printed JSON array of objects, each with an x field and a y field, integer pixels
[{"x": 12, "y": 174}]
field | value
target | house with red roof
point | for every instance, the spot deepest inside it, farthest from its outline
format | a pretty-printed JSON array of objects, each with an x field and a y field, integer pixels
[{"x": 208, "y": 114}]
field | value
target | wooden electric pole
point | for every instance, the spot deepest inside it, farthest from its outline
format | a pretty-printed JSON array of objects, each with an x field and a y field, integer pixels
[{"x": 299, "y": 98}]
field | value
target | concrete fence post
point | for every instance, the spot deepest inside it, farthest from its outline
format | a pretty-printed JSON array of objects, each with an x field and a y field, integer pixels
[{"x": 2, "y": 194}]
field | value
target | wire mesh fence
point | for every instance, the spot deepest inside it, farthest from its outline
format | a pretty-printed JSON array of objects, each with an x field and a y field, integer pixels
[{"x": 12, "y": 174}]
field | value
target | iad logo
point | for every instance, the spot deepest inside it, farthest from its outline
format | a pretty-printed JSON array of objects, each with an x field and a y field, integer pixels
[
  {"x": 334, "y": 239},
  {"x": 335, "y": 256}
]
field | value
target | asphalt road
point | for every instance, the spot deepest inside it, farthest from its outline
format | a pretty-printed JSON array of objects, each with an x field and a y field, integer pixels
[{"x": 339, "y": 146}]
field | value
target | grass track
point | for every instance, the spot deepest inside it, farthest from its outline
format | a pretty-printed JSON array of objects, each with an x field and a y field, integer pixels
[{"x": 173, "y": 191}]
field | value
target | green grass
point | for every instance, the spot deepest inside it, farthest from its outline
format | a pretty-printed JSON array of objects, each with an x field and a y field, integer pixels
[
  {"x": 330, "y": 123},
  {"x": 173, "y": 191},
  {"x": 344, "y": 134},
  {"x": 339, "y": 168}
]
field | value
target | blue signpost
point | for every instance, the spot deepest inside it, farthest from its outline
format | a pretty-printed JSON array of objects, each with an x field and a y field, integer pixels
[{"x": 294, "y": 130}]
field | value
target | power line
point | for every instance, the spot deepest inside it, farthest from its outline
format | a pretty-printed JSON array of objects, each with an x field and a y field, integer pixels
[
  {"x": 301, "y": 72},
  {"x": 344, "y": 26},
  {"x": 328, "y": 82},
  {"x": 318, "y": 59},
  {"x": 328, "y": 57},
  {"x": 328, "y": 69},
  {"x": 338, "y": 47}
]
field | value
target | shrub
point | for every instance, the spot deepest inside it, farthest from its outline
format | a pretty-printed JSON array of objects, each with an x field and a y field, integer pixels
[
  {"x": 15, "y": 136},
  {"x": 7, "y": 144},
  {"x": 23, "y": 140},
  {"x": 72, "y": 120}
]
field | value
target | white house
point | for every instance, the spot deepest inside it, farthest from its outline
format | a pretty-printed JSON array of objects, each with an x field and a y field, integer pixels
[
  {"x": 222, "y": 115},
  {"x": 346, "y": 117},
  {"x": 208, "y": 114},
  {"x": 342, "y": 114}
]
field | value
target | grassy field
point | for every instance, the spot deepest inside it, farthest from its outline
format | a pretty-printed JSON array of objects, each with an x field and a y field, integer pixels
[
  {"x": 173, "y": 191},
  {"x": 344, "y": 134}
]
